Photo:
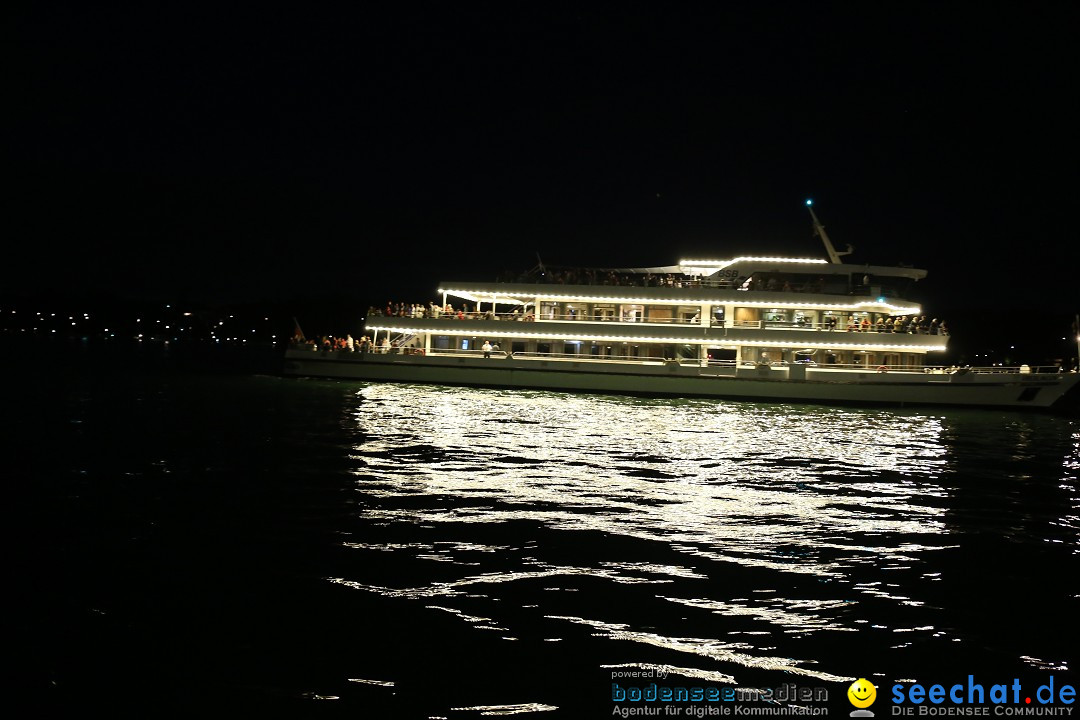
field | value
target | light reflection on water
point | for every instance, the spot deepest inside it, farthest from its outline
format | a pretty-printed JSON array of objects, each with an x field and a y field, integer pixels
[
  {"x": 805, "y": 491},
  {"x": 710, "y": 488},
  {"x": 738, "y": 542}
]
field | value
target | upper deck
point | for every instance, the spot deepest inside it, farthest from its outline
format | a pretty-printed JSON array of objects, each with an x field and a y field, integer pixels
[
  {"x": 756, "y": 281},
  {"x": 861, "y": 298}
]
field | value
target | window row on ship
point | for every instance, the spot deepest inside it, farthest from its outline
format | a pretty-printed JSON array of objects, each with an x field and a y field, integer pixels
[
  {"x": 642, "y": 351},
  {"x": 709, "y": 316}
]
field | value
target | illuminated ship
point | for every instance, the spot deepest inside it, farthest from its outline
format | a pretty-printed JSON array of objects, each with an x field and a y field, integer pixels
[{"x": 753, "y": 328}]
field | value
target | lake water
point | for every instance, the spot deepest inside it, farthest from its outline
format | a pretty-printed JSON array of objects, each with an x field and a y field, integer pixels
[{"x": 237, "y": 540}]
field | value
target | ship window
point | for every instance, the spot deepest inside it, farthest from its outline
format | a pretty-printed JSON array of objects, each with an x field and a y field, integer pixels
[
  {"x": 721, "y": 355},
  {"x": 689, "y": 313},
  {"x": 748, "y": 316},
  {"x": 631, "y": 313},
  {"x": 660, "y": 313},
  {"x": 777, "y": 316},
  {"x": 771, "y": 355},
  {"x": 604, "y": 312},
  {"x": 549, "y": 311}
]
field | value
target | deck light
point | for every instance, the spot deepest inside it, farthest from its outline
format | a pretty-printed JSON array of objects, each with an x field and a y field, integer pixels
[
  {"x": 897, "y": 309},
  {"x": 837, "y": 344},
  {"x": 721, "y": 264}
]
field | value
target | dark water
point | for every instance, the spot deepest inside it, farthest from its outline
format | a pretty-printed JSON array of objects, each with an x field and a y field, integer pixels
[{"x": 187, "y": 538}]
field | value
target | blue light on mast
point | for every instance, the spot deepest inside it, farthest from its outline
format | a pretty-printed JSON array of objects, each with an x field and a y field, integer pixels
[{"x": 809, "y": 202}]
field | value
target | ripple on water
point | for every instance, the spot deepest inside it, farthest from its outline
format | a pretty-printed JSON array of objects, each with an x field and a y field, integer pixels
[{"x": 774, "y": 528}]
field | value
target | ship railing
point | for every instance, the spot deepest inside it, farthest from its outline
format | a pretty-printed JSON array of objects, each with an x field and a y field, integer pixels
[
  {"x": 829, "y": 327},
  {"x": 586, "y": 317},
  {"x": 823, "y": 365},
  {"x": 927, "y": 369},
  {"x": 717, "y": 283},
  {"x": 565, "y": 356},
  {"x": 584, "y": 356},
  {"x": 453, "y": 352},
  {"x": 462, "y": 315},
  {"x": 679, "y": 282},
  {"x": 456, "y": 315},
  {"x": 862, "y": 367},
  {"x": 839, "y": 326},
  {"x": 567, "y": 317},
  {"x": 998, "y": 369}
]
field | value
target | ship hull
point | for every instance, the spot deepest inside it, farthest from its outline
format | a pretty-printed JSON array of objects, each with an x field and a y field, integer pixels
[{"x": 779, "y": 384}]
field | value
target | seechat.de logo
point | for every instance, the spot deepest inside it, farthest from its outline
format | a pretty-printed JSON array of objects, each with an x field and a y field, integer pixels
[{"x": 862, "y": 694}]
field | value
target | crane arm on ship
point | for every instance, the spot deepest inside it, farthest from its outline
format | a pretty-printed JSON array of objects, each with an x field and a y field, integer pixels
[{"x": 819, "y": 230}]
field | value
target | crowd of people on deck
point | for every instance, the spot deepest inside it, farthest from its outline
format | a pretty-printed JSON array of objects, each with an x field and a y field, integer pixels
[
  {"x": 911, "y": 324},
  {"x": 591, "y": 276},
  {"x": 332, "y": 343},
  {"x": 417, "y": 310},
  {"x": 443, "y": 312}
]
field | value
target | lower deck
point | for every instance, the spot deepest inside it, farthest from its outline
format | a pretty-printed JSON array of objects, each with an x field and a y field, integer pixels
[
  {"x": 697, "y": 353},
  {"x": 798, "y": 382}
]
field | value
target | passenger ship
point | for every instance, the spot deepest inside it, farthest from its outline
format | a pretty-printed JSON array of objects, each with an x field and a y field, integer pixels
[{"x": 754, "y": 328}]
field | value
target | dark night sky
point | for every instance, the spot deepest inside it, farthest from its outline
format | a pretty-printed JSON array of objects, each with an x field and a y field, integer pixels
[{"x": 272, "y": 151}]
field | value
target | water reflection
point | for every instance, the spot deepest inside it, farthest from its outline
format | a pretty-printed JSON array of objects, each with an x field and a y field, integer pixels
[
  {"x": 738, "y": 542},
  {"x": 805, "y": 490}
]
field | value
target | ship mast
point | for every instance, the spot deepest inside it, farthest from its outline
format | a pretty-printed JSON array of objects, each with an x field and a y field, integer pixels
[{"x": 819, "y": 229}]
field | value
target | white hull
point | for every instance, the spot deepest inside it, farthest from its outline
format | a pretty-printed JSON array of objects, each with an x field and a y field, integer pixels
[{"x": 789, "y": 383}]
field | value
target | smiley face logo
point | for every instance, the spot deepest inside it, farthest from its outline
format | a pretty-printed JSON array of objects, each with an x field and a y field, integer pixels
[{"x": 862, "y": 693}]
